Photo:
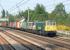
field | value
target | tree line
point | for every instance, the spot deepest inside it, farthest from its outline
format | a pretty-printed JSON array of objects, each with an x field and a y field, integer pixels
[{"x": 40, "y": 14}]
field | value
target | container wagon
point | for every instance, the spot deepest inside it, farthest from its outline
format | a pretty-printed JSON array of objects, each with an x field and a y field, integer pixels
[{"x": 46, "y": 28}]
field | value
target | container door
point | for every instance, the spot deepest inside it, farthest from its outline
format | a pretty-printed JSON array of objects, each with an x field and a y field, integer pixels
[{"x": 40, "y": 26}]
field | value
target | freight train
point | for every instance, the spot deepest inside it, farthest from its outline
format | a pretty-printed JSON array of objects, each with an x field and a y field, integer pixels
[{"x": 45, "y": 28}]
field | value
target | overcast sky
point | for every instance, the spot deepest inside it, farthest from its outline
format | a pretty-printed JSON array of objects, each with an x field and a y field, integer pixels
[{"x": 10, "y": 5}]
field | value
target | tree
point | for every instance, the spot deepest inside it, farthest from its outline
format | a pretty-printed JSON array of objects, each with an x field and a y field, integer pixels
[
  {"x": 39, "y": 13},
  {"x": 7, "y": 13},
  {"x": 11, "y": 18},
  {"x": 59, "y": 14},
  {"x": 25, "y": 14},
  {"x": 68, "y": 20},
  {"x": 3, "y": 13}
]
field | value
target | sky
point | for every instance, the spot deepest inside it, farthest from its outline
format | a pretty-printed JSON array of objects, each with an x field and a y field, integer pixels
[{"x": 13, "y": 6}]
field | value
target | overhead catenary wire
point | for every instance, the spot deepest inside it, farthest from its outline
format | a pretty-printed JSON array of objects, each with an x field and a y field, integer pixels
[
  {"x": 22, "y": 3},
  {"x": 18, "y": 5}
]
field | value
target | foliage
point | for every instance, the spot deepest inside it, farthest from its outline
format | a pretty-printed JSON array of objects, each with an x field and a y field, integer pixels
[
  {"x": 59, "y": 14},
  {"x": 40, "y": 14},
  {"x": 10, "y": 16},
  {"x": 3, "y": 13}
]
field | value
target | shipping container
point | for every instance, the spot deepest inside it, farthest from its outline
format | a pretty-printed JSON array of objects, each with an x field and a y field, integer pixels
[
  {"x": 17, "y": 24},
  {"x": 11, "y": 24},
  {"x": 30, "y": 25},
  {"x": 50, "y": 26},
  {"x": 0, "y": 23},
  {"x": 4, "y": 24},
  {"x": 24, "y": 25},
  {"x": 40, "y": 25}
]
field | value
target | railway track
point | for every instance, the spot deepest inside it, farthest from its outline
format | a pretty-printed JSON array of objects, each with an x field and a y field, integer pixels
[
  {"x": 62, "y": 38},
  {"x": 13, "y": 43},
  {"x": 4, "y": 45},
  {"x": 33, "y": 47},
  {"x": 20, "y": 41},
  {"x": 30, "y": 46},
  {"x": 26, "y": 44},
  {"x": 57, "y": 46}
]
